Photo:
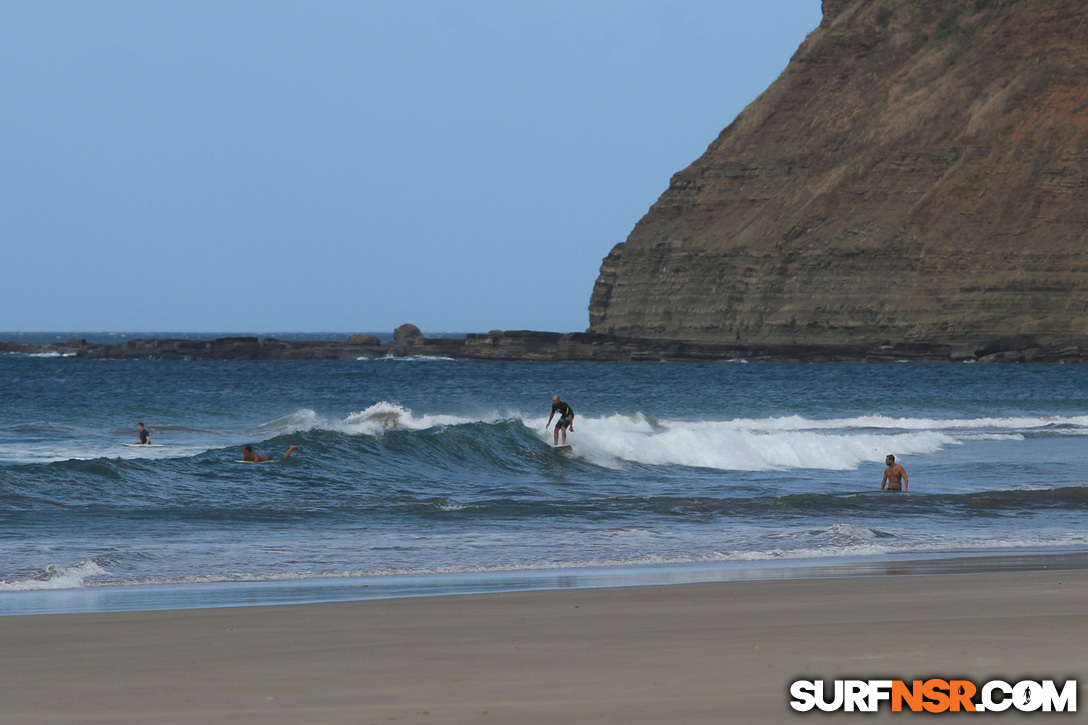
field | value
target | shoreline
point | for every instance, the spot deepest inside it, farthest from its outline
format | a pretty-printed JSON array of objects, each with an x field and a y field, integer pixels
[
  {"x": 97, "y": 599},
  {"x": 689, "y": 653},
  {"x": 527, "y": 345}
]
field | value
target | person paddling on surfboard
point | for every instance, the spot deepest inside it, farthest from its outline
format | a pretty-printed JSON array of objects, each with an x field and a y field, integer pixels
[
  {"x": 145, "y": 437},
  {"x": 566, "y": 419},
  {"x": 249, "y": 455}
]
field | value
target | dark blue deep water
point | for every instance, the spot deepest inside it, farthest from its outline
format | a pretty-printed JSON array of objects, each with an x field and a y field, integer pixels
[{"x": 418, "y": 468}]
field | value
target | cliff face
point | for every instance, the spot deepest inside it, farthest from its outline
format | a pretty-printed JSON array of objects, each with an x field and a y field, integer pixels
[{"x": 919, "y": 172}]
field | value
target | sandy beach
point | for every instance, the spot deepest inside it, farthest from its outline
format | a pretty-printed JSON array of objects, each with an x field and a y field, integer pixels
[{"x": 700, "y": 653}]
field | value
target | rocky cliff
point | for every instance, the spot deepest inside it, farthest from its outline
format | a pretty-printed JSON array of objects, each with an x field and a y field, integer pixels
[{"x": 918, "y": 173}]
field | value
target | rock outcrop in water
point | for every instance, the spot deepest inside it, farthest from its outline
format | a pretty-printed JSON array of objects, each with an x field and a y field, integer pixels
[{"x": 917, "y": 174}]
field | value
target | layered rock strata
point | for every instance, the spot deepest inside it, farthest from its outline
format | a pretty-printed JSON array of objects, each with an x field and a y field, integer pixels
[{"x": 918, "y": 173}]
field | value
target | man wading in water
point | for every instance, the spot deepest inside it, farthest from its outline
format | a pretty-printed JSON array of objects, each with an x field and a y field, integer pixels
[{"x": 895, "y": 477}]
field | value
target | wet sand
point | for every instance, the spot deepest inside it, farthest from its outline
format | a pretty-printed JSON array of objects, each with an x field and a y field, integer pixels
[{"x": 693, "y": 653}]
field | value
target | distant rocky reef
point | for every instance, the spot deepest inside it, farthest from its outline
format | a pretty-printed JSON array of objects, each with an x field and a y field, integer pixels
[{"x": 526, "y": 345}]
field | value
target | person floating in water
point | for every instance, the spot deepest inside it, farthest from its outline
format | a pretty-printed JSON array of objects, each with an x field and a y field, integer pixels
[
  {"x": 249, "y": 455},
  {"x": 145, "y": 437},
  {"x": 566, "y": 419},
  {"x": 895, "y": 476}
]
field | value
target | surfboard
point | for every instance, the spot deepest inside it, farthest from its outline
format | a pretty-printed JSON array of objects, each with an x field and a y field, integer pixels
[
  {"x": 145, "y": 445},
  {"x": 270, "y": 460},
  {"x": 563, "y": 447}
]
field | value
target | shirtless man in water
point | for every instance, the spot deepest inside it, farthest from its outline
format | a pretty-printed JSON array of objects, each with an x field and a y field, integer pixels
[
  {"x": 249, "y": 455},
  {"x": 895, "y": 477}
]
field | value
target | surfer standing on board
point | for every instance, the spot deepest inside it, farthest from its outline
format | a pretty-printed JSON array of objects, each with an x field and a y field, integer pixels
[
  {"x": 249, "y": 455},
  {"x": 566, "y": 419},
  {"x": 145, "y": 437},
  {"x": 895, "y": 476}
]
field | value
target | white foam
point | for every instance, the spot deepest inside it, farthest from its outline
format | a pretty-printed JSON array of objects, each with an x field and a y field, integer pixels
[
  {"x": 741, "y": 445},
  {"x": 385, "y": 416},
  {"x": 854, "y": 533},
  {"x": 991, "y": 437},
  {"x": 840, "y": 541},
  {"x": 415, "y": 358},
  {"x": 788, "y": 442},
  {"x": 375, "y": 420},
  {"x": 55, "y": 577},
  {"x": 52, "y": 353},
  {"x": 52, "y": 451},
  {"x": 884, "y": 422}
]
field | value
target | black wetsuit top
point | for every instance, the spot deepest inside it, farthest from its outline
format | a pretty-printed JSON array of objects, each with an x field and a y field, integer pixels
[
  {"x": 144, "y": 436},
  {"x": 564, "y": 410}
]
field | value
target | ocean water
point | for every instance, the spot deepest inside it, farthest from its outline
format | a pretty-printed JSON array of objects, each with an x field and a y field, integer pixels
[{"x": 422, "y": 476}]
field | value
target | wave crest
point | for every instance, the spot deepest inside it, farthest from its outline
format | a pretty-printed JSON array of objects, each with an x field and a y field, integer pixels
[
  {"x": 738, "y": 445},
  {"x": 56, "y": 577},
  {"x": 379, "y": 418}
]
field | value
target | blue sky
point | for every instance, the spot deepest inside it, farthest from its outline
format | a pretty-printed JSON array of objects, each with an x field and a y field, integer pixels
[{"x": 349, "y": 166}]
